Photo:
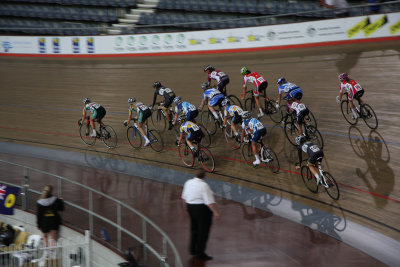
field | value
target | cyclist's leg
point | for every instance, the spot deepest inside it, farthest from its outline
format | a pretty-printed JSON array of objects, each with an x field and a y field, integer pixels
[
  {"x": 300, "y": 121},
  {"x": 256, "y": 136},
  {"x": 312, "y": 165},
  {"x": 189, "y": 138},
  {"x": 92, "y": 124}
]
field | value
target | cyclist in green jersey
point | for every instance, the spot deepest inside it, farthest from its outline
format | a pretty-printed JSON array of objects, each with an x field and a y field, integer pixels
[
  {"x": 98, "y": 113},
  {"x": 143, "y": 112}
]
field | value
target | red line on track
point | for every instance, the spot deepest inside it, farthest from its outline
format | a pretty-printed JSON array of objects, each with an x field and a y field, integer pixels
[
  {"x": 236, "y": 50},
  {"x": 221, "y": 157}
]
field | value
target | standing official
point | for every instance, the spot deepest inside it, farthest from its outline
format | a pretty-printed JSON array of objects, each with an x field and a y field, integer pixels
[{"x": 200, "y": 204}]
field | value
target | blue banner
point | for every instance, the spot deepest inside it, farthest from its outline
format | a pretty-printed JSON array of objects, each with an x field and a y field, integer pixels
[{"x": 8, "y": 199}]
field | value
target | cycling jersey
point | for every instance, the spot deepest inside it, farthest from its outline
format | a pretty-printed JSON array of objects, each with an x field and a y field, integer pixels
[
  {"x": 215, "y": 97},
  {"x": 185, "y": 107},
  {"x": 230, "y": 110},
  {"x": 192, "y": 130},
  {"x": 312, "y": 150},
  {"x": 260, "y": 84},
  {"x": 98, "y": 112},
  {"x": 216, "y": 75},
  {"x": 292, "y": 89},
  {"x": 352, "y": 88},
  {"x": 297, "y": 106},
  {"x": 257, "y": 128},
  {"x": 167, "y": 93},
  {"x": 143, "y": 111}
]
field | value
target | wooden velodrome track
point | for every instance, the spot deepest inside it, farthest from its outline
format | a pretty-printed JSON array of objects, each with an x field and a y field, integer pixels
[{"x": 41, "y": 101}]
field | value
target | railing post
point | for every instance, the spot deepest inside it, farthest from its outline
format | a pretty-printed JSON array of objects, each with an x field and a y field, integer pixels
[
  {"x": 91, "y": 212},
  {"x": 164, "y": 251},
  {"x": 119, "y": 239},
  {"x": 144, "y": 237},
  {"x": 25, "y": 187},
  {"x": 87, "y": 248},
  {"x": 59, "y": 189}
]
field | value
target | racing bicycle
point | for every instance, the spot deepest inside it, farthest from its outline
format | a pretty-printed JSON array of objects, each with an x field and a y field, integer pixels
[
  {"x": 312, "y": 133},
  {"x": 105, "y": 133},
  {"x": 159, "y": 119},
  {"x": 135, "y": 137},
  {"x": 327, "y": 181},
  {"x": 268, "y": 105},
  {"x": 268, "y": 157},
  {"x": 204, "y": 156},
  {"x": 364, "y": 111}
]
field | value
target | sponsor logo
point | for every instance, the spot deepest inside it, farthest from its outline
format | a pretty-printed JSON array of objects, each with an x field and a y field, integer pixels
[
  {"x": 118, "y": 41},
  {"x": 311, "y": 31},
  {"x": 7, "y": 46},
  {"x": 180, "y": 38},
  {"x": 358, "y": 27},
  {"x": 373, "y": 27},
  {"x": 271, "y": 35},
  {"x": 56, "y": 45},
  {"x": 194, "y": 41},
  {"x": 155, "y": 40},
  {"x": 75, "y": 45},
  {"x": 168, "y": 39},
  {"x": 131, "y": 41},
  {"x": 215, "y": 40},
  {"x": 395, "y": 27},
  {"x": 42, "y": 45},
  {"x": 90, "y": 45},
  {"x": 234, "y": 39},
  {"x": 143, "y": 40}
]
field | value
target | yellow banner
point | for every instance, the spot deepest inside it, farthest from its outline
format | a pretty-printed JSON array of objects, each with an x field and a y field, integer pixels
[
  {"x": 371, "y": 28},
  {"x": 358, "y": 27},
  {"x": 395, "y": 27}
]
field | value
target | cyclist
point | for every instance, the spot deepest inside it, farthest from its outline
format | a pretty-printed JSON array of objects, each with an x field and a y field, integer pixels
[
  {"x": 189, "y": 110},
  {"x": 168, "y": 99},
  {"x": 258, "y": 131},
  {"x": 354, "y": 91},
  {"x": 260, "y": 86},
  {"x": 98, "y": 113},
  {"x": 285, "y": 87},
  {"x": 143, "y": 113},
  {"x": 217, "y": 75},
  {"x": 301, "y": 110},
  {"x": 235, "y": 113},
  {"x": 215, "y": 98},
  {"x": 193, "y": 131},
  {"x": 315, "y": 154}
]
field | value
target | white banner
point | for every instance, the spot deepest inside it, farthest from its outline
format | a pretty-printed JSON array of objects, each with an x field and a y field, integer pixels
[{"x": 354, "y": 28}]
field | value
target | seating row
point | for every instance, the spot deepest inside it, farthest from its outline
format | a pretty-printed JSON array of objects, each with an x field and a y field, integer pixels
[{"x": 110, "y": 3}]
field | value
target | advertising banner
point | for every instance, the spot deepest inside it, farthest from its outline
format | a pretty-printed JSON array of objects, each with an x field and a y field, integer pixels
[
  {"x": 296, "y": 34},
  {"x": 8, "y": 199}
]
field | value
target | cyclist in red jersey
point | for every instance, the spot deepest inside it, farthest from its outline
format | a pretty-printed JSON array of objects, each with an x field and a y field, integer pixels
[
  {"x": 260, "y": 86},
  {"x": 354, "y": 91}
]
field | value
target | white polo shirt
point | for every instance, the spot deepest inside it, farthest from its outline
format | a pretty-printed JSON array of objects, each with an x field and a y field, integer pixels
[{"x": 196, "y": 191}]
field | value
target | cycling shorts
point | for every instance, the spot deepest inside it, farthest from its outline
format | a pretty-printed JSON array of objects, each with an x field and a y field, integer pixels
[
  {"x": 216, "y": 100},
  {"x": 99, "y": 113},
  {"x": 195, "y": 136},
  {"x": 222, "y": 84},
  {"x": 316, "y": 156},
  {"x": 301, "y": 115},
  {"x": 191, "y": 115},
  {"x": 143, "y": 115},
  {"x": 358, "y": 95},
  {"x": 236, "y": 119},
  {"x": 263, "y": 87},
  {"x": 168, "y": 100},
  {"x": 258, "y": 134}
]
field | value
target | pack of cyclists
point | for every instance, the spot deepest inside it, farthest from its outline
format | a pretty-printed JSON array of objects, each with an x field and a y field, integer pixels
[{"x": 214, "y": 96}]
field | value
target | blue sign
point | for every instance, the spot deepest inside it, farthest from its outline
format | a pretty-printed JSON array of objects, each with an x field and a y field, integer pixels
[
  {"x": 8, "y": 199},
  {"x": 90, "y": 45},
  {"x": 42, "y": 45},
  {"x": 56, "y": 45},
  {"x": 75, "y": 45}
]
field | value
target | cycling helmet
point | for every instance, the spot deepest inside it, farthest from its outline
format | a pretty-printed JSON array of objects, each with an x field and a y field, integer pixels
[
  {"x": 156, "y": 85},
  {"x": 131, "y": 100},
  {"x": 209, "y": 67},
  {"x": 181, "y": 118},
  {"x": 244, "y": 71},
  {"x": 245, "y": 114},
  {"x": 343, "y": 76},
  {"x": 86, "y": 100},
  {"x": 225, "y": 102},
  {"x": 281, "y": 80},
  {"x": 177, "y": 100},
  {"x": 204, "y": 86},
  {"x": 300, "y": 139}
]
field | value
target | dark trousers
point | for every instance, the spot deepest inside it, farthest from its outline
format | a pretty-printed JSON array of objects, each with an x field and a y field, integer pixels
[{"x": 200, "y": 220}]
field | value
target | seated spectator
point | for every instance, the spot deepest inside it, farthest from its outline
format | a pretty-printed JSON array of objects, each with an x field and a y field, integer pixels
[{"x": 340, "y": 7}]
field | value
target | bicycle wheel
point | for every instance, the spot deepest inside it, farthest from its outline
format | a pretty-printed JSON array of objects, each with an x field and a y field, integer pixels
[
  {"x": 158, "y": 120},
  {"x": 156, "y": 141},
  {"x": 250, "y": 106},
  {"x": 85, "y": 132},
  {"x": 134, "y": 137},
  {"x": 235, "y": 100},
  {"x": 333, "y": 189},
  {"x": 271, "y": 159},
  {"x": 206, "y": 159},
  {"x": 314, "y": 136},
  {"x": 186, "y": 155},
  {"x": 369, "y": 116},
  {"x": 109, "y": 136},
  {"x": 208, "y": 121},
  {"x": 308, "y": 179},
  {"x": 347, "y": 113},
  {"x": 290, "y": 130},
  {"x": 310, "y": 119},
  {"x": 247, "y": 153},
  {"x": 230, "y": 137},
  {"x": 206, "y": 139},
  {"x": 272, "y": 111}
]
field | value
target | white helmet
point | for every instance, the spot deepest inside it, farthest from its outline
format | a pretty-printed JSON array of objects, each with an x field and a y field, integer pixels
[
  {"x": 300, "y": 139},
  {"x": 86, "y": 100},
  {"x": 177, "y": 100},
  {"x": 245, "y": 114},
  {"x": 131, "y": 100}
]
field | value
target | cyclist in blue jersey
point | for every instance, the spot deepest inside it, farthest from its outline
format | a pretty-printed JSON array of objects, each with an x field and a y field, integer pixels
[
  {"x": 98, "y": 113},
  {"x": 257, "y": 130},
  {"x": 189, "y": 110},
  {"x": 214, "y": 98},
  {"x": 143, "y": 113},
  {"x": 285, "y": 87}
]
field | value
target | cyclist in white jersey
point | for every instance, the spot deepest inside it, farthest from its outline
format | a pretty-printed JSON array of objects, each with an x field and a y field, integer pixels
[
  {"x": 301, "y": 110},
  {"x": 193, "y": 131},
  {"x": 220, "y": 77},
  {"x": 235, "y": 113},
  {"x": 98, "y": 113},
  {"x": 258, "y": 131},
  {"x": 143, "y": 113}
]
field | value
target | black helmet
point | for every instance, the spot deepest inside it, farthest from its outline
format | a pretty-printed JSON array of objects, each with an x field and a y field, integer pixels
[
  {"x": 156, "y": 85},
  {"x": 209, "y": 67}
]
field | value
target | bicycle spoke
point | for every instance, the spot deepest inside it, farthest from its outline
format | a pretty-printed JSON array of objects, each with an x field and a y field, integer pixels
[{"x": 331, "y": 186}]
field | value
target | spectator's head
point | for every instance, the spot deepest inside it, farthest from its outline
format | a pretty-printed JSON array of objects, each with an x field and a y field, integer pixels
[
  {"x": 47, "y": 191},
  {"x": 200, "y": 174}
]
